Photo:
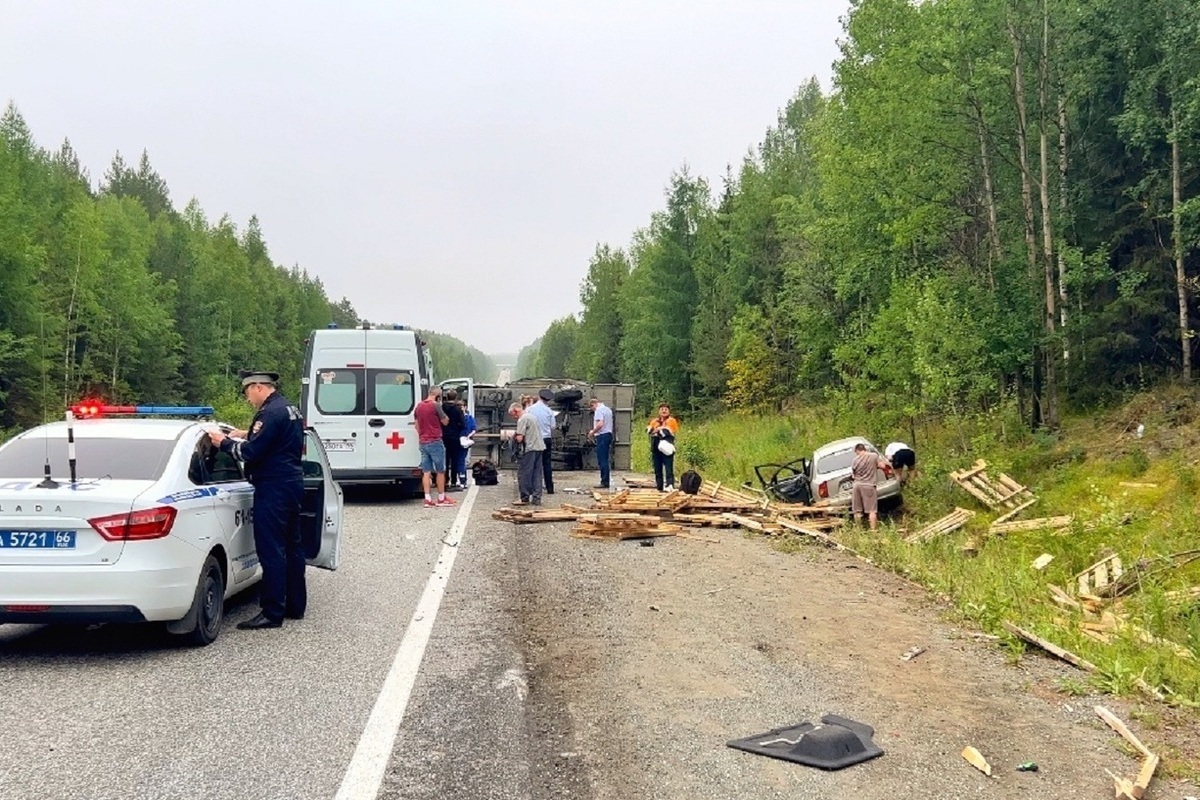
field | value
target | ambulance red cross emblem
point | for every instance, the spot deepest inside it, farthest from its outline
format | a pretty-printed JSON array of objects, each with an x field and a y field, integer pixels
[{"x": 395, "y": 440}]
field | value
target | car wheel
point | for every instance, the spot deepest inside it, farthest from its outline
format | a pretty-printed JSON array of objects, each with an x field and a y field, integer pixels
[{"x": 209, "y": 604}]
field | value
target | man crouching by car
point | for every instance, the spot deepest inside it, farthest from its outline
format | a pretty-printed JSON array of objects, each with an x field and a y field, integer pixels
[{"x": 865, "y": 498}]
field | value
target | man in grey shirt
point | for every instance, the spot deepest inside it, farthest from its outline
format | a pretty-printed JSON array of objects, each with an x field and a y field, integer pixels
[
  {"x": 602, "y": 433},
  {"x": 529, "y": 468},
  {"x": 542, "y": 412},
  {"x": 865, "y": 497}
]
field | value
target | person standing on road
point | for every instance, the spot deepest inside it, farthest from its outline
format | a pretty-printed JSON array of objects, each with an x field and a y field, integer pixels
[
  {"x": 430, "y": 418},
  {"x": 545, "y": 420},
  {"x": 272, "y": 450},
  {"x": 602, "y": 433},
  {"x": 451, "y": 432},
  {"x": 529, "y": 468},
  {"x": 467, "y": 440},
  {"x": 865, "y": 496},
  {"x": 662, "y": 430},
  {"x": 903, "y": 459}
]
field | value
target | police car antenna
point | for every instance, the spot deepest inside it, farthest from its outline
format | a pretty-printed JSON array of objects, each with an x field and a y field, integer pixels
[
  {"x": 48, "y": 482},
  {"x": 71, "y": 443}
]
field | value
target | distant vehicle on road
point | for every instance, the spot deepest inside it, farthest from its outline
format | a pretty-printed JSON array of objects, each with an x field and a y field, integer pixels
[{"x": 140, "y": 520}]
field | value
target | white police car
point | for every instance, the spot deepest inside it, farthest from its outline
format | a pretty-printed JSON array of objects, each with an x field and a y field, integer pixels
[{"x": 149, "y": 523}]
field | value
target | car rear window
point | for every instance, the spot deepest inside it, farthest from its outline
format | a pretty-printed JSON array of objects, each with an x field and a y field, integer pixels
[
  {"x": 120, "y": 459},
  {"x": 835, "y": 461}
]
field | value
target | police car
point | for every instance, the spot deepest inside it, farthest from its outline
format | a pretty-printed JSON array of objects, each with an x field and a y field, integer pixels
[{"x": 113, "y": 518}]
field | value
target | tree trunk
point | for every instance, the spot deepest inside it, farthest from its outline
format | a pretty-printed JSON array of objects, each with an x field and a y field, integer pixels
[
  {"x": 1062, "y": 216},
  {"x": 1185, "y": 332},
  {"x": 989, "y": 196},
  {"x": 1026, "y": 187},
  {"x": 1051, "y": 291}
]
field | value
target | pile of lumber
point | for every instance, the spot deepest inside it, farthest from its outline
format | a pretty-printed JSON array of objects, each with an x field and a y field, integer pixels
[
  {"x": 634, "y": 512},
  {"x": 622, "y": 526}
]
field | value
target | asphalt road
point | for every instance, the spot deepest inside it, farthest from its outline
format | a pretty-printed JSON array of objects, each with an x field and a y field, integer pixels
[{"x": 126, "y": 712}]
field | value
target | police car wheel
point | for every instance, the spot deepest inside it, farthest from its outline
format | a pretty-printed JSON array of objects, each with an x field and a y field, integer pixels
[{"x": 209, "y": 605}]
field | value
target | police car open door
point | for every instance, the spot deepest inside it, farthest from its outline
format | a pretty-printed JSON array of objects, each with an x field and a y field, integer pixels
[{"x": 321, "y": 509}]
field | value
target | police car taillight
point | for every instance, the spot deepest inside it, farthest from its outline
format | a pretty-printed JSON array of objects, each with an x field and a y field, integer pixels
[{"x": 153, "y": 523}]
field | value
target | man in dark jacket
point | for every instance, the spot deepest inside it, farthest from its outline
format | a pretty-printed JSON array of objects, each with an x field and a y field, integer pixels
[
  {"x": 272, "y": 450},
  {"x": 452, "y": 431}
]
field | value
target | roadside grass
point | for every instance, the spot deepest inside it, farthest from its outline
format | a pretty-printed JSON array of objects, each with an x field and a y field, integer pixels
[{"x": 1133, "y": 496}]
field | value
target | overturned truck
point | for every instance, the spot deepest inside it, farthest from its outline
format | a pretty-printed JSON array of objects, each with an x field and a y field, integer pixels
[{"x": 571, "y": 448}]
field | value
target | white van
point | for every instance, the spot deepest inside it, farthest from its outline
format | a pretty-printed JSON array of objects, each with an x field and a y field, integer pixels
[{"x": 358, "y": 392}]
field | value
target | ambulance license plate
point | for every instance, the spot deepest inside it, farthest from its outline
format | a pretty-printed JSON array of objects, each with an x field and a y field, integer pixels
[
  {"x": 38, "y": 540},
  {"x": 338, "y": 445}
]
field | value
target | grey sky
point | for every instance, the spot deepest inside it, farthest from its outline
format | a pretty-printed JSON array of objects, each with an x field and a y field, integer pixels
[{"x": 419, "y": 157}]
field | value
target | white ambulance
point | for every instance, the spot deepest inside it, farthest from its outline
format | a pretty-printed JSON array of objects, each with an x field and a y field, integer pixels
[{"x": 358, "y": 392}]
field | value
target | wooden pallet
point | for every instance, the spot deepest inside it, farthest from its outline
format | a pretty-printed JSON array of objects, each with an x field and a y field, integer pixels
[
  {"x": 1048, "y": 523},
  {"x": 947, "y": 524},
  {"x": 1003, "y": 492},
  {"x": 1094, "y": 581}
]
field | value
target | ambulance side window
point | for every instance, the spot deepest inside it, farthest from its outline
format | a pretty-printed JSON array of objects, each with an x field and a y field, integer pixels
[
  {"x": 392, "y": 391},
  {"x": 339, "y": 391}
]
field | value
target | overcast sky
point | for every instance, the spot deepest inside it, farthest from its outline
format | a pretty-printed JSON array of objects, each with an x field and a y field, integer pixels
[{"x": 450, "y": 165}]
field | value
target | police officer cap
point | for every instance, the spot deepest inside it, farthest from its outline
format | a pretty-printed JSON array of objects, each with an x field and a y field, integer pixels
[
  {"x": 546, "y": 395},
  {"x": 250, "y": 376}
]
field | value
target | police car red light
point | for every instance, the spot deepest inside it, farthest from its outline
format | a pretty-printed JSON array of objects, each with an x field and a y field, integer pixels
[{"x": 153, "y": 523}]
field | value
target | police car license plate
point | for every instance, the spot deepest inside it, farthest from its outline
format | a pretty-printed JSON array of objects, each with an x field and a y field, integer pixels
[
  {"x": 38, "y": 540},
  {"x": 338, "y": 445}
]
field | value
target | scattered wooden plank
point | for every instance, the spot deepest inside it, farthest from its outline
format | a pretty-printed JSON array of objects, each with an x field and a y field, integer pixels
[
  {"x": 947, "y": 524},
  {"x": 1136, "y": 789},
  {"x": 1049, "y": 647},
  {"x": 1005, "y": 518},
  {"x": 1041, "y": 523},
  {"x": 1135, "y": 485},
  {"x": 1042, "y": 561},
  {"x": 976, "y": 760},
  {"x": 1060, "y": 596}
]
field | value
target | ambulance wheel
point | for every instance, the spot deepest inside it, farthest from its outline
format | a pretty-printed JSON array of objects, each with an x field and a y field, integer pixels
[{"x": 208, "y": 605}]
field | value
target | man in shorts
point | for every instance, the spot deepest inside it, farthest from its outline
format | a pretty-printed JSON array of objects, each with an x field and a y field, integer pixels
[
  {"x": 865, "y": 498},
  {"x": 903, "y": 459},
  {"x": 430, "y": 419}
]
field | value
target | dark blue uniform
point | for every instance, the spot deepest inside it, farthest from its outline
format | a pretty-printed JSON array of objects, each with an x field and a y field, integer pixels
[{"x": 272, "y": 453}]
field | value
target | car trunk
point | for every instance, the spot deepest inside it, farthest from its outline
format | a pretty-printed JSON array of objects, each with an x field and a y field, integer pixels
[{"x": 50, "y": 527}]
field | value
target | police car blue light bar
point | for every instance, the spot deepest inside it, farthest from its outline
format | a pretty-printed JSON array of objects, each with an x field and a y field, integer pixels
[{"x": 84, "y": 410}]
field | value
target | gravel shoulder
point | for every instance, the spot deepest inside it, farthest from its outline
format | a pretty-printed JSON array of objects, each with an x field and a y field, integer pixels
[{"x": 643, "y": 662}]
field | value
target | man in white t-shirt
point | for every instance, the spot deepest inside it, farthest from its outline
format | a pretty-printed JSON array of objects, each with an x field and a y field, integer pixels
[{"x": 903, "y": 459}]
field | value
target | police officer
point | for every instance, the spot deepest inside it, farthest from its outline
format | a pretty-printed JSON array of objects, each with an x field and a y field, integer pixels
[{"x": 272, "y": 451}]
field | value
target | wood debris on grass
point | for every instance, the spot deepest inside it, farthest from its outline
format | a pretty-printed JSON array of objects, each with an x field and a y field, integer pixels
[
  {"x": 1049, "y": 647},
  {"x": 1042, "y": 561},
  {"x": 1003, "y": 492},
  {"x": 947, "y": 524},
  {"x": 1041, "y": 523}
]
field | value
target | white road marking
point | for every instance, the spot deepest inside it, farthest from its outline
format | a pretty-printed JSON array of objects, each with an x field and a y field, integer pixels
[{"x": 365, "y": 774}]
